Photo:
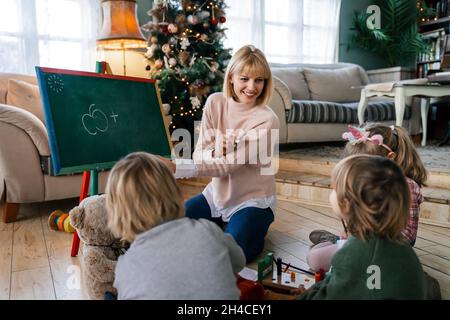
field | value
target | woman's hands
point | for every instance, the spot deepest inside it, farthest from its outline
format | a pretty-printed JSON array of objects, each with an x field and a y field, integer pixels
[
  {"x": 229, "y": 144},
  {"x": 169, "y": 163}
]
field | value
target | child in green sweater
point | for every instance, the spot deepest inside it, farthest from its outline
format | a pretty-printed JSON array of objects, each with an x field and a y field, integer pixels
[{"x": 371, "y": 195}]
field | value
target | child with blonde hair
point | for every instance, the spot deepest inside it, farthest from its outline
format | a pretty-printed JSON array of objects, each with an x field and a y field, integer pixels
[
  {"x": 238, "y": 139},
  {"x": 375, "y": 262},
  {"x": 393, "y": 143},
  {"x": 168, "y": 258}
]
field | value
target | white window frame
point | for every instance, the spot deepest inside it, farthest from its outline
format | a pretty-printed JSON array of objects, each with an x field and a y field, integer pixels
[
  {"x": 29, "y": 37},
  {"x": 258, "y": 23}
]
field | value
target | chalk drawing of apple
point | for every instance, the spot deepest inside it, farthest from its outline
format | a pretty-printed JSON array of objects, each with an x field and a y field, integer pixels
[{"x": 94, "y": 121}]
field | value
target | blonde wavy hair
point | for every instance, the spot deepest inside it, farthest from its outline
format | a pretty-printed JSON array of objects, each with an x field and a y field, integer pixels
[
  {"x": 396, "y": 138},
  {"x": 375, "y": 194},
  {"x": 141, "y": 193},
  {"x": 250, "y": 61}
]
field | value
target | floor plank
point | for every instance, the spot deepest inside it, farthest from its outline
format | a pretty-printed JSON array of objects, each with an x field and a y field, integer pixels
[
  {"x": 29, "y": 250},
  {"x": 68, "y": 279},
  {"x": 423, "y": 243},
  {"x": 6, "y": 244},
  {"x": 277, "y": 237},
  {"x": 65, "y": 270},
  {"x": 32, "y": 284},
  {"x": 435, "y": 262},
  {"x": 433, "y": 236},
  {"x": 443, "y": 279},
  {"x": 313, "y": 217},
  {"x": 438, "y": 250}
]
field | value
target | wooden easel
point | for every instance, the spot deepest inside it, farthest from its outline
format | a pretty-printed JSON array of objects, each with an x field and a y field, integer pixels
[{"x": 89, "y": 177}]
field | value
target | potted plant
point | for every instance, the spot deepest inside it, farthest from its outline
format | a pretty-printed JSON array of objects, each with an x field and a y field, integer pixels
[{"x": 398, "y": 40}]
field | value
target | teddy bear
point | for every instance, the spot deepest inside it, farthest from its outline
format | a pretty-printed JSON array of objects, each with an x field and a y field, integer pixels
[{"x": 100, "y": 249}]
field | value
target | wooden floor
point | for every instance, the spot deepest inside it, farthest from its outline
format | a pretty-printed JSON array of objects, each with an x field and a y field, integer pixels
[{"x": 35, "y": 261}]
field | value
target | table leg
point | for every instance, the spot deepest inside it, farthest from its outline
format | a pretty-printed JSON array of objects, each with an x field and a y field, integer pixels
[
  {"x": 362, "y": 106},
  {"x": 424, "y": 107},
  {"x": 399, "y": 106}
]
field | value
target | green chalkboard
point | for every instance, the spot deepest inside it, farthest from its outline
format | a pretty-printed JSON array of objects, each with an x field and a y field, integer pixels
[{"x": 95, "y": 119}]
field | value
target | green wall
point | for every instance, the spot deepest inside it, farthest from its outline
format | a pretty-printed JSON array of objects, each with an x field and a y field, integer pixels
[
  {"x": 363, "y": 58},
  {"x": 142, "y": 7}
]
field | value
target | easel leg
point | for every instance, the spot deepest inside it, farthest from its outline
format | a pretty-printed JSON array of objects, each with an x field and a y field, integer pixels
[{"x": 83, "y": 194}]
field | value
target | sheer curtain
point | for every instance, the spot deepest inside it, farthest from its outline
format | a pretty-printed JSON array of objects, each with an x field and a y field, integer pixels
[
  {"x": 50, "y": 33},
  {"x": 288, "y": 31}
]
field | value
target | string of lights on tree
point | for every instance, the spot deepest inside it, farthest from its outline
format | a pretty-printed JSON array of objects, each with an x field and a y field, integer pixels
[
  {"x": 427, "y": 10},
  {"x": 186, "y": 55}
]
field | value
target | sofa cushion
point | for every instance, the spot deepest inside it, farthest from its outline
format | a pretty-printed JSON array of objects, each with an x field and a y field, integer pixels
[
  {"x": 4, "y": 78},
  {"x": 26, "y": 96},
  {"x": 310, "y": 111},
  {"x": 295, "y": 80},
  {"x": 341, "y": 85}
]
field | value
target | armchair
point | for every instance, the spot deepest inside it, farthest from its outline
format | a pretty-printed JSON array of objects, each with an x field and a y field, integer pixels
[{"x": 23, "y": 143}]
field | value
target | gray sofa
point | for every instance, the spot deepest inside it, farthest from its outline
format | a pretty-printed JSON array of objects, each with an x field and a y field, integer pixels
[{"x": 316, "y": 102}]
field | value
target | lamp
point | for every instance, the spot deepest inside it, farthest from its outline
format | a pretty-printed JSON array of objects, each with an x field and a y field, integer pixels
[{"x": 120, "y": 31}]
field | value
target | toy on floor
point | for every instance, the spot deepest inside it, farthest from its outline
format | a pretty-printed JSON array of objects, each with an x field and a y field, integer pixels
[
  {"x": 59, "y": 221},
  {"x": 100, "y": 249},
  {"x": 283, "y": 280}
]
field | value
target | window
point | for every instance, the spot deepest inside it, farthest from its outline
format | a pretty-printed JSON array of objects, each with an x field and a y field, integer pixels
[
  {"x": 50, "y": 33},
  {"x": 288, "y": 31}
]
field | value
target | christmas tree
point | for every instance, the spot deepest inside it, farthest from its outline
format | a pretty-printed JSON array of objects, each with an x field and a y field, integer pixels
[{"x": 186, "y": 55}]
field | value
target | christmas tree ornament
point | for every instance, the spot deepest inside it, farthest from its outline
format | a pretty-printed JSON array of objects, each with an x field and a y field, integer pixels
[
  {"x": 166, "y": 48},
  {"x": 158, "y": 12},
  {"x": 166, "y": 108},
  {"x": 184, "y": 43},
  {"x": 172, "y": 28},
  {"x": 173, "y": 41},
  {"x": 214, "y": 66},
  {"x": 172, "y": 62},
  {"x": 151, "y": 51},
  {"x": 164, "y": 27},
  {"x": 195, "y": 102},
  {"x": 203, "y": 15},
  {"x": 222, "y": 19},
  {"x": 166, "y": 63},
  {"x": 206, "y": 25},
  {"x": 154, "y": 40},
  {"x": 159, "y": 64},
  {"x": 192, "y": 19},
  {"x": 180, "y": 19},
  {"x": 213, "y": 17},
  {"x": 184, "y": 57},
  {"x": 191, "y": 63}
]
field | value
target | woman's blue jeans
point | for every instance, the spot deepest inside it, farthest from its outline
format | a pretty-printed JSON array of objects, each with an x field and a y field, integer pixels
[{"x": 248, "y": 226}]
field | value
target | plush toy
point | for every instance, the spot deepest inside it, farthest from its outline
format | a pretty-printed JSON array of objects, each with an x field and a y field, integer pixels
[{"x": 100, "y": 249}]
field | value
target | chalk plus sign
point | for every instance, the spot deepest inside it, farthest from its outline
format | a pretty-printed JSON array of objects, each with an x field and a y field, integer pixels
[{"x": 114, "y": 116}]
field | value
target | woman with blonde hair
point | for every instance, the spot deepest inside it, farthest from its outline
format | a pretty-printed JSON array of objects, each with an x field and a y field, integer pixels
[
  {"x": 167, "y": 258},
  {"x": 237, "y": 148}
]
